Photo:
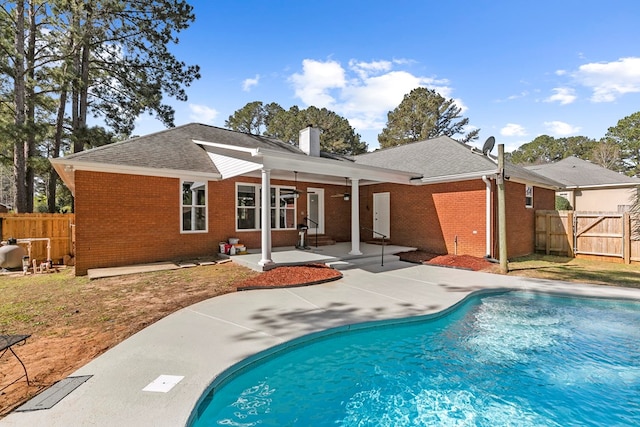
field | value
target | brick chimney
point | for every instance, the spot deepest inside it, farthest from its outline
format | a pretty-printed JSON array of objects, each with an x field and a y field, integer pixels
[{"x": 309, "y": 141}]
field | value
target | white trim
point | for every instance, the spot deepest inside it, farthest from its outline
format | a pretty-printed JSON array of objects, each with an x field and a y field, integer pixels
[
  {"x": 631, "y": 185},
  {"x": 321, "y": 216},
  {"x": 488, "y": 242},
  {"x": 194, "y": 206},
  {"x": 526, "y": 205},
  {"x": 258, "y": 206}
]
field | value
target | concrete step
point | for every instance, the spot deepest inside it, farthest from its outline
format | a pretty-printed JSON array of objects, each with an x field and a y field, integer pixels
[
  {"x": 323, "y": 240},
  {"x": 347, "y": 264}
]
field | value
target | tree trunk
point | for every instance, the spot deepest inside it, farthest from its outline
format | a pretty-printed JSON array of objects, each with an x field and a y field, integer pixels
[
  {"x": 30, "y": 149},
  {"x": 19, "y": 159},
  {"x": 55, "y": 151}
]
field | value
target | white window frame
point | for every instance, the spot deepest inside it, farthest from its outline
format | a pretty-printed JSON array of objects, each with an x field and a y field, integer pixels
[
  {"x": 528, "y": 196},
  {"x": 194, "y": 206},
  {"x": 258, "y": 206}
]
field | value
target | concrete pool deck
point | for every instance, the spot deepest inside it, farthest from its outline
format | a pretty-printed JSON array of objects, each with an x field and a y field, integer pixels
[{"x": 201, "y": 341}]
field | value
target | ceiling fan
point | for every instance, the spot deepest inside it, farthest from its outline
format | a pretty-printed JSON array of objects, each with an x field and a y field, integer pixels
[
  {"x": 346, "y": 195},
  {"x": 288, "y": 193}
]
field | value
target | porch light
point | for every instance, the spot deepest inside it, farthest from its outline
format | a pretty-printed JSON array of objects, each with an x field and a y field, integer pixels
[{"x": 347, "y": 196}]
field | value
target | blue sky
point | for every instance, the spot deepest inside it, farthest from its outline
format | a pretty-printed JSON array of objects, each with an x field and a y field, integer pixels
[{"x": 518, "y": 69}]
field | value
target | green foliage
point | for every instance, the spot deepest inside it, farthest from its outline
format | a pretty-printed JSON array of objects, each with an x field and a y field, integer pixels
[
  {"x": 337, "y": 135},
  {"x": 563, "y": 204},
  {"x": 253, "y": 118},
  {"x": 424, "y": 114},
  {"x": 61, "y": 60},
  {"x": 547, "y": 149},
  {"x": 626, "y": 135}
]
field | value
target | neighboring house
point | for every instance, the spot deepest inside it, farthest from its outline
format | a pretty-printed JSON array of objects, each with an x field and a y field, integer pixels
[
  {"x": 589, "y": 187},
  {"x": 176, "y": 194}
]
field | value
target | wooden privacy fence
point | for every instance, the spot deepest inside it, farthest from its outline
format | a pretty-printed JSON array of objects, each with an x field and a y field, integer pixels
[
  {"x": 38, "y": 231},
  {"x": 608, "y": 236}
]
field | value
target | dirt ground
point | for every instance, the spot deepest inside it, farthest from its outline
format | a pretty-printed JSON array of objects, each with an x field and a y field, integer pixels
[{"x": 73, "y": 320}]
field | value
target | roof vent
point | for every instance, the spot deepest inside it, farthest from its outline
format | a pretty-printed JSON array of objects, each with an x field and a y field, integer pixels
[{"x": 309, "y": 141}]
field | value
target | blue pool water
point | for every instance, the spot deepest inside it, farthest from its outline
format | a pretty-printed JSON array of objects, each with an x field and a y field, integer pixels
[{"x": 512, "y": 359}]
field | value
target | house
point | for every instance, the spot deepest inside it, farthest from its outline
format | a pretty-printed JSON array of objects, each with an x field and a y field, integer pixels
[
  {"x": 178, "y": 193},
  {"x": 589, "y": 187}
]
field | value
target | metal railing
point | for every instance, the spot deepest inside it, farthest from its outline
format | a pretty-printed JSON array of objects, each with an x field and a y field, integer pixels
[
  {"x": 306, "y": 218},
  {"x": 383, "y": 237}
]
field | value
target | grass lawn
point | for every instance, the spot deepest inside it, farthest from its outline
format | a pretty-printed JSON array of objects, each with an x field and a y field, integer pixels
[{"x": 576, "y": 270}]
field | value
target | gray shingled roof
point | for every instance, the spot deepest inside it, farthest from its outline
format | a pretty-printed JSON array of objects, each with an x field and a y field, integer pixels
[
  {"x": 174, "y": 149},
  {"x": 445, "y": 157},
  {"x": 575, "y": 172}
]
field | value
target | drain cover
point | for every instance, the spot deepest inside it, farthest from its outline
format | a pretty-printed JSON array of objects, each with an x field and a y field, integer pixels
[{"x": 54, "y": 394}]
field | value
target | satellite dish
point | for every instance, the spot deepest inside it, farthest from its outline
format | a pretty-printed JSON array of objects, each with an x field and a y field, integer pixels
[{"x": 488, "y": 145}]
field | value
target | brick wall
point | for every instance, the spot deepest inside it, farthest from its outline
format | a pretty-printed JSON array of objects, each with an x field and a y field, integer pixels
[
  {"x": 450, "y": 218},
  {"x": 430, "y": 217},
  {"x": 132, "y": 219},
  {"x": 520, "y": 219}
]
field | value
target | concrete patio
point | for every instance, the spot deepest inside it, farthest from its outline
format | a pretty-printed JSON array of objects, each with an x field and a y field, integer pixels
[
  {"x": 198, "y": 343},
  {"x": 335, "y": 255}
]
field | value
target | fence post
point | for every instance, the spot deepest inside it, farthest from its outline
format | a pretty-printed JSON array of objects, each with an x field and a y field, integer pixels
[
  {"x": 570, "y": 232},
  {"x": 626, "y": 237},
  {"x": 547, "y": 226}
]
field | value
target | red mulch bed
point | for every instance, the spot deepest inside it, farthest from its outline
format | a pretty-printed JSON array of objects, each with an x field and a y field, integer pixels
[
  {"x": 466, "y": 262},
  {"x": 289, "y": 276}
]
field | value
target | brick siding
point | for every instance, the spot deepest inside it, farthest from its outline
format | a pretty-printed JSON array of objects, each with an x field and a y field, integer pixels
[{"x": 131, "y": 219}]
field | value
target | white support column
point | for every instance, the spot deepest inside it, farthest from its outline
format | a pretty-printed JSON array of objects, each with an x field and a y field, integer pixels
[
  {"x": 265, "y": 203},
  {"x": 355, "y": 218}
]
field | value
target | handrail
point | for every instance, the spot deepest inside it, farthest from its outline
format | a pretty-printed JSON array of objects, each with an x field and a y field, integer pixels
[
  {"x": 306, "y": 218},
  {"x": 383, "y": 237}
]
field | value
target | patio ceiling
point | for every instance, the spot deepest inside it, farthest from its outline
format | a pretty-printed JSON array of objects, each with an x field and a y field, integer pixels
[{"x": 236, "y": 161}]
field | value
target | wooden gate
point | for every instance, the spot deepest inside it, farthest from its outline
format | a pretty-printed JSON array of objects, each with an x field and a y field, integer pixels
[{"x": 608, "y": 236}]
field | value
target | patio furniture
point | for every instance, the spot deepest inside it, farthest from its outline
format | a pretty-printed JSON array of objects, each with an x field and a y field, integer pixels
[{"x": 6, "y": 344}]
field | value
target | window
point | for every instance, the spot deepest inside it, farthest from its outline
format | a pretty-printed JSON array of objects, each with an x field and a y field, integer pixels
[
  {"x": 528, "y": 196},
  {"x": 194, "y": 206},
  {"x": 248, "y": 206}
]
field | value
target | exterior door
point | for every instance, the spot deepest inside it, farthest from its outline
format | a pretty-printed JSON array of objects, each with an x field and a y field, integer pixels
[
  {"x": 381, "y": 216},
  {"x": 315, "y": 210}
]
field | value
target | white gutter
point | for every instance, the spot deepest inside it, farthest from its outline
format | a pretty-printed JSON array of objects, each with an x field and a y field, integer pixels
[
  {"x": 67, "y": 167},
  {"x": 487, "y": 182},
  {"x": 598, "y": 186},
  {"x": 457, "y": 177}
]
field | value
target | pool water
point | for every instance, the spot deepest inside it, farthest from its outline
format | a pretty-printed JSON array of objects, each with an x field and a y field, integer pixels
[{"x": 512, "y": 359}]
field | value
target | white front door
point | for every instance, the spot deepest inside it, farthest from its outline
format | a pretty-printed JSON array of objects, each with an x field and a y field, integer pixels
[
  {"x": 315, "y": 210},
  {"x": 381, "y": 221}
]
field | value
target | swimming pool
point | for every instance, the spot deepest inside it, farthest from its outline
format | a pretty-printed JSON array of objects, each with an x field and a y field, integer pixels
[{"x": 515, "y": 358}]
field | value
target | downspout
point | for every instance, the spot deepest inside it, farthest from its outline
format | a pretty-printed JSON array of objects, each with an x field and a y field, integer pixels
[{"x": 487, "y": 183}]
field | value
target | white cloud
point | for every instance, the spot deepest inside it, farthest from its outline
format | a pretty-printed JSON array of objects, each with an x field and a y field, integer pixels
[
  {"x": 316, "y": 81},
  {"x": 513, "y": 129},
  {"x": 561, "y": 72},
  {"x": 558, "y": 128},
  {"x": 365, "y": 69},
  {"x": 563, "y": 95},
  {"x": 610, "y": 80},
  {"x": 247, "y": 84},
  {"x": 202, "y": 113},
  {"x": 364, "y": 92}
]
